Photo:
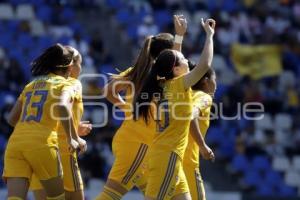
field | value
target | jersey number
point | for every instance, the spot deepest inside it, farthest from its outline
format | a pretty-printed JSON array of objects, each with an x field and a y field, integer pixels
[
  {"x": 38, "y": 105},
  {"x": 162, "y": 109}
]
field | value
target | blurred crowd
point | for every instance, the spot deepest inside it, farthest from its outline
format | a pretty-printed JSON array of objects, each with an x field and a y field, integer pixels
[{"x": 251, "y": 149}]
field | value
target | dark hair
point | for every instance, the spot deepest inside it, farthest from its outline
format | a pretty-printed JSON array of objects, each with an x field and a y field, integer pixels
[
  {"x": 162, "y": 69},
  {"x": 152, "y": 47},
  {"x": 76, "y": 53},
  {"x": 54, "y": 58},
  {"x": 199, "y": 85},
  {"x": 207, "y": 75}
]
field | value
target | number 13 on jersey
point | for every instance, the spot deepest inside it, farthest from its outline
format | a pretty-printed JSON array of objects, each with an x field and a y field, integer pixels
[{"x": 34, "y": 106}]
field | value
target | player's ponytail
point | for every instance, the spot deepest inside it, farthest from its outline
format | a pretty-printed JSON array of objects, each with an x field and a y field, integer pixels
[
  {"x": 54, "y": 58},
  {"x": 142, "y": 65},
  {"x": 152, "y": 47},
  {"x": 161, "y": 71}
]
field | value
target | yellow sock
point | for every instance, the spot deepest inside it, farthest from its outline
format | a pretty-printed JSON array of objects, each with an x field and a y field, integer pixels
[
  {"x": 59, "y": 197},
  {"x": 14, "y": 198},
  {"x": 109, "y": 194}
]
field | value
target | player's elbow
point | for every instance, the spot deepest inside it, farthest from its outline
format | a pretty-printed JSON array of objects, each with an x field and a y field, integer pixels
[{"x": 11, "y": 121}]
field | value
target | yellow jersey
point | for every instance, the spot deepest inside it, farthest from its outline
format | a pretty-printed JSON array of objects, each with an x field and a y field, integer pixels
[
  {"x": 38, "y": 123},
  {"x": 134, "y": 130},
  {"x": 203, "y": 102},
  {"x": 74, "y": 87},
  {"x": 174, "y": 115}
]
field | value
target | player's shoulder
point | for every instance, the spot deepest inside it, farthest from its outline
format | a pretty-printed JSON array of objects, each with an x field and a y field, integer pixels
[
  {"x": 202, "y": 98},
  {"x": 74, "y": 83}
]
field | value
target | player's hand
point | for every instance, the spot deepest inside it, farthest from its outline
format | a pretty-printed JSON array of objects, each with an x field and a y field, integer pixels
[
  {"x": 207, "y": 153},
  {"x": 84, "y": 128},
  {"x": 82, "y": 145},
  {"x": 73, "y": 145},
  {"x": 209, "y": 26},
  {"x": 180, "y": 24}
]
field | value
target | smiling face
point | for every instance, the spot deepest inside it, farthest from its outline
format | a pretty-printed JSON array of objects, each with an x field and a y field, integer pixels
[{"x": 182, "y": 66}]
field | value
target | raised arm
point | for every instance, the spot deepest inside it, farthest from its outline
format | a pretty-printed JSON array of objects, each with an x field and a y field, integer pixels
[
  {"x": 112, "y": 90},
  {"x": 206, "y": 56},
  {"x": 180, "y": 25}
]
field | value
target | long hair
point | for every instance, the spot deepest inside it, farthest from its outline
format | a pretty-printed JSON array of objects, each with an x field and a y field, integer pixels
[
  {"x": 152, "y": 47},
  {"x": 162, "y": 69},
  {"x": 54, "y": 58}
]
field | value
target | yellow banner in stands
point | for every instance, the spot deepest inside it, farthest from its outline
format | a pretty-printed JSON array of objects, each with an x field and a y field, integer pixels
[{"x": 257, "y": 61}]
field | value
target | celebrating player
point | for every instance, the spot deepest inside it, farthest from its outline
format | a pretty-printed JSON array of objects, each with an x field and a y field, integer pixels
[
  {"x": 203, "y": 92},
  {"x": 168, "y": 86},
  {"x": 73, "y": 184},
  {"x": 133, "y": 139},
  {"x": 33, "y": 148}
]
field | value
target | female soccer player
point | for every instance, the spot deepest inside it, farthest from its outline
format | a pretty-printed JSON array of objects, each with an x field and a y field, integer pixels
[
  {"x": 169, "y": 86},
  {"x": 203, "y": 92},
  {"x": 132, "y": 140},
  {"x": 32, "y": 147},
  {"x": 73, "y": 184}
]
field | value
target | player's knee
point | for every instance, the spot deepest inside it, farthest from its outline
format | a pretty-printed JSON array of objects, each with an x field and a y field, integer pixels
[
  {"x": 59, "y": 197},
  {"x": 109, "y": 194}
]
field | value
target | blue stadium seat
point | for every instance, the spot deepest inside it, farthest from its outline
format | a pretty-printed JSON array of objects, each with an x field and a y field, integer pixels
[
  {"x": 221, "y": 90},
  {"x": 139, "y": 17},
  {"x": 76, "y": 27},
  {"x": 107, "y": 68},
  {"x": 240, "y": 163},
  {"x": 124, "y": 16},
  {"x": 64, "y": 40},
  {"x": 12, "y": 25},
  {"x": 261, "y": 163},
  {"x": 44, "y": 13},
  {"x": 67, "y": 15},
  {"x": 287, "y": 191},
  {"x": 264, "y": 189},
  {"x": 215, "y": 135},
  {"x": 37, "y": 3},
  {"x": 33, "y": 53},
  {"x": 3, "y": 142},
  {"x": 6, "y": 40},
  {"x": 17, "y": 2},
  {"x": 226, "y": 149},
  {"x": 230, "y": 5},
  {"x": 118, "y": 122},
  {"x": 24, "y": 40},
  {"x": 132, "y": 31},
  {"x": 16, "y": 53},
  {"x": 243, "y": 123},
  {"x": 252, "y": 177},
  {"x": 116, "y": 4},
  {"x": 162, "y": 18},
  {"x": 44, "y": 42},
  {"x": 273, "y": 178}
]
